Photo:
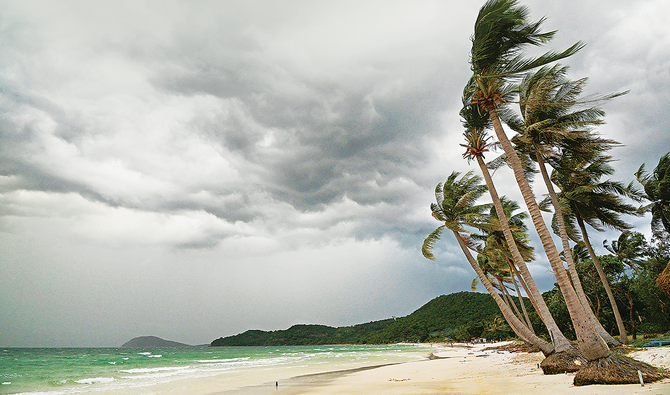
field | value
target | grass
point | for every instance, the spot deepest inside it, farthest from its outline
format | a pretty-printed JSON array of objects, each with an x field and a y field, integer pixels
[{"x": 642, "y": 340}]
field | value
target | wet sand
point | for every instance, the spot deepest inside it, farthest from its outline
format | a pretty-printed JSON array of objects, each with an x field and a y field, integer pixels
[{"x": 299, "y": 384}]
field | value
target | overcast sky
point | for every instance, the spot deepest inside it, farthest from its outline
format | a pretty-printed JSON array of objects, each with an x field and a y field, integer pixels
[{"x": 195, "y": 169}]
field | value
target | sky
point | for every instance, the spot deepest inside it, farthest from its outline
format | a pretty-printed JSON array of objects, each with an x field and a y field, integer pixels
[{"x": 195, "y": 169}]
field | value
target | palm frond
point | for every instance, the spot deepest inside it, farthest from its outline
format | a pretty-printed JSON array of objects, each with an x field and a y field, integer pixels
[{"x": 429, "y": 243}]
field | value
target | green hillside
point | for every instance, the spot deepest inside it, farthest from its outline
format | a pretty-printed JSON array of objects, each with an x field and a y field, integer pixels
[
  {"x": 460, "y": 315},
  {"x": 441, "y": 317}
]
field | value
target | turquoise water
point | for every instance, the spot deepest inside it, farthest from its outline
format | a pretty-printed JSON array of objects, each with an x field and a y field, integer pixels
[{"x": 80, "y": 370}]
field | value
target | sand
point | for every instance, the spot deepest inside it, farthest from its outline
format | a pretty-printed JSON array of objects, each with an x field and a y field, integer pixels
[{"x": 462, "y": 371}]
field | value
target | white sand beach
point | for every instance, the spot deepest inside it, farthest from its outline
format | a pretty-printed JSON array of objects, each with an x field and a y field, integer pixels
[{"x": 475, "y": 371}]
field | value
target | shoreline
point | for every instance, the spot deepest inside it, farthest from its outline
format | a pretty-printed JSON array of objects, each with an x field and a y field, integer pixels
[
  {"x": 301, "y": 383},
  {"x": 461, "y": 370}
]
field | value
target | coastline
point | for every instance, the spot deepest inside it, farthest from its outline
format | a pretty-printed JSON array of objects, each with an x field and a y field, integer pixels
[
  {"x": 466, "y": 370},
  {"x": 288, "y": 366},
  {"x": 447, "y": 369}
]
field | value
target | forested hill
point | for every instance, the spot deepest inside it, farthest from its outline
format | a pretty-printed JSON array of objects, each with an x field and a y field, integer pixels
[
  {"x": 457, "y": 315},
  {"x": 299, "y": 335}
]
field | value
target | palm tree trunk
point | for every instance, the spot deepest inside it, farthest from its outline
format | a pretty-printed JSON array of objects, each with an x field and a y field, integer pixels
[
  {"x": 525, "y": 288},
  {"x": 509, "y": 298},
  {"x": 603, "y": 280},
  {"x": 523, "y": 305},
  {"x": 572, "y": 269},
  {"x": 561, "y": 343},
  {"x": 517, "y": 326},
  {"x": 630, "y": 311},
  {"x": 590, "y": 343}
]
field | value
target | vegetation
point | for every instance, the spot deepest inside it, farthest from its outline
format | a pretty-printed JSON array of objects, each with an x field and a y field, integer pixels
[
  {"x": 455, "y": 208},
  {"x": 460, "y": 316},
  {"x": 657, "y": 192},
  {"x": 644, "y": 307},
  {"x": 300, "y": 335}
]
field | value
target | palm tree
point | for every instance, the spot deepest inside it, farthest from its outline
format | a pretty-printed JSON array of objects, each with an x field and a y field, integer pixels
[
  {"x": 501, "y": 31},
  {"x": 503, "y": 277},
  {"x": 587, "y": 200},
  {"x": 657, "y": 189},
  {"x": 455, "y": 208},
  {"x": 496, "y": 253},
  {"x": 629, "y": 248},
  {"x": 477, "y": 143},
  {"x": 550, "y": 124}
]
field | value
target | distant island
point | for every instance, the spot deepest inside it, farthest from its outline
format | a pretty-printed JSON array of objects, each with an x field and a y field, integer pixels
[
  {"x": 459, "y": 316},
  {"x": 152, "y": 341}
]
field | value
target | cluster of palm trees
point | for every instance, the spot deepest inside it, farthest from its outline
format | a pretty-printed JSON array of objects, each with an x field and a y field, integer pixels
[{"x": 554, "y": 135}]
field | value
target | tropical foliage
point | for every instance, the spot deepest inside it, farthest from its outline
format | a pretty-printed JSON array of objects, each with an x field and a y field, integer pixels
[
  {"x": 645, "y": 308},
  {"x": 657, "y": 188}
]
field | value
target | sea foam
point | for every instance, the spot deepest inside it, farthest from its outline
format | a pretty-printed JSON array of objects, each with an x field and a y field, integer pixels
[
  {"x": 94, "y": 380},
  {"x": 153, "y": 370},
  {"x": 228, "y": 360}
]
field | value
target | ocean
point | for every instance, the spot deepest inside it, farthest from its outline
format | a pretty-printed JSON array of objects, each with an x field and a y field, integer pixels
[{"x": 56, "y": 371}]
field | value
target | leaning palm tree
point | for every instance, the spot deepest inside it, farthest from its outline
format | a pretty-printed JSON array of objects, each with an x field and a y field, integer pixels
[
  {"x": 455, "y": 207},
  {"x": 497, "y": 253},
  {"x": 492, "y": 266},
  {"x": 501, "y": 31},
  {"x": 585, "y": 199},
  {"x": 477, "y": 143},
  {"x": 551, "y": 122}
]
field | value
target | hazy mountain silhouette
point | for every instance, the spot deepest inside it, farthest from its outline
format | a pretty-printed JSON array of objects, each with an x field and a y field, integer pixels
[{"x": 152, "y": 341}]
